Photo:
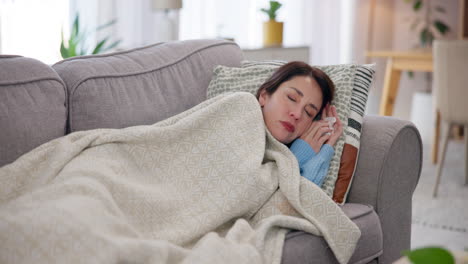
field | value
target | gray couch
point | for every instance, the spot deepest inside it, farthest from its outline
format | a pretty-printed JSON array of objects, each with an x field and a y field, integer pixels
[{"x": 142, "y": 86}]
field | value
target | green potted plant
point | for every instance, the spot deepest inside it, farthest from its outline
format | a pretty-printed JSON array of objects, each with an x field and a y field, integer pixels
[
  {"x": 75, "y": 46},
  {"x": 272, "y": 29},
  {"x": 428, "y": 25},
  {"x": 429, "y": 255}
]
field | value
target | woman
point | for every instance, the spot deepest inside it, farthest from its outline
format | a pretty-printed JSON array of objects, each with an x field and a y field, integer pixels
[{"x": 295, "y": 103}]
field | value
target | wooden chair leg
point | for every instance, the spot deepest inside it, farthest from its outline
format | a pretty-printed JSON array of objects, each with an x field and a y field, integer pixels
[
  {"x": 465, "y": 134},
  {"x": 458, "y": 132},
  {"x": 445, "y": 136},
  {"x": 435, "y": 137}
]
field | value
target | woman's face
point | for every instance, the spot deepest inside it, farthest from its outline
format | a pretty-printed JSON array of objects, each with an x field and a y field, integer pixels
[{"x": 290, "y": 110}]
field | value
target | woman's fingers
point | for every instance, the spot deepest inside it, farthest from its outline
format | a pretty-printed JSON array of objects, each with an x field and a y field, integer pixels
[
  {"x": 338, "y": 127},
  {"x": 330, "y": 110},
  {"x": 333, "y": 112},
  {"x": 321, "y": 132},
  {"x": 325, "y": 112},
  {"x": 317, "y": 134},
  {"x": 316, "y": 125},
  {"x": 324, "y": 138}
]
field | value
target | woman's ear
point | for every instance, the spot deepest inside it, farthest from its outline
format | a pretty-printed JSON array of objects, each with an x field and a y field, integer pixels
[{"x": 262, "y": 98}]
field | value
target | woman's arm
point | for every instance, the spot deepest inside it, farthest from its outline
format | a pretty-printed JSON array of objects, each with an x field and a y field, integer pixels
[
  {"x": 316, "y": 169},
  {"x": 302, "y": 150},
  {"x": 313, "y": 166},
  {"x": 314, "y": 149}
]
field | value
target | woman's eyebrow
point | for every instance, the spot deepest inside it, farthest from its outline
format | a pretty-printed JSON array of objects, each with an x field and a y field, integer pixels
[{"x": 302, "y": 95}]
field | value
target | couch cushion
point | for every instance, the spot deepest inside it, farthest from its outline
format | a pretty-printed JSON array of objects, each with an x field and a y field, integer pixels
[
  {"x": 143, "y": 85},
  {"x": 32, "y": 106},
  {"x": 302, "y": 247}
]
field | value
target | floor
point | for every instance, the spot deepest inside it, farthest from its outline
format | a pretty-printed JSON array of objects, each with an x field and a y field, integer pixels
[{"x": 442, "y": 221}]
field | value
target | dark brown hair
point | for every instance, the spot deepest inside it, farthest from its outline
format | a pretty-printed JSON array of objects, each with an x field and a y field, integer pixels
[{"x": 299, "y": 68}]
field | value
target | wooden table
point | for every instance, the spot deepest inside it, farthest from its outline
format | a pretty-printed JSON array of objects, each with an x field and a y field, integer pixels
[{"x": 398, "y": 61}]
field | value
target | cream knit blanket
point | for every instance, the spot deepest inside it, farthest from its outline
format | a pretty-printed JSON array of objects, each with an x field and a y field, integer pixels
[{"x": 209, "y": 185}]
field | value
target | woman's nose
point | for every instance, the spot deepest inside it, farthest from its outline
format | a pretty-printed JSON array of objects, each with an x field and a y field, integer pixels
[{"x": 295, "y": 113}]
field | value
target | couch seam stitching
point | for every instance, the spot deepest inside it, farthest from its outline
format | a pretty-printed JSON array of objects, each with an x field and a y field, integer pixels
[{"x": 190, "y": 53}]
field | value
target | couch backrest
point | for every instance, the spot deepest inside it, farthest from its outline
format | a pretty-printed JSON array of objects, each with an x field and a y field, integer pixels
[
  {"x": 32, "y": 106},
  {"x": 143, "y": 85}
]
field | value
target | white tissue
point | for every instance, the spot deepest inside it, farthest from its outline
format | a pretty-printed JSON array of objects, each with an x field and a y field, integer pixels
[{"x": 331, "y": 120}]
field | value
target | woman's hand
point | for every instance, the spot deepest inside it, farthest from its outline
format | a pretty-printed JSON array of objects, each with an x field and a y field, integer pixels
[
  {"x": 317, "y": 134},
  {"x": 330, "y": 111},
  {"x": 320, "y": 132}
]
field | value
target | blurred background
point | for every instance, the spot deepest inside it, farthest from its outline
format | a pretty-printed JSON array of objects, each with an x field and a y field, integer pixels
[
  {"x": 335, "y": 31},
  {"x": 316, "y": 31}
]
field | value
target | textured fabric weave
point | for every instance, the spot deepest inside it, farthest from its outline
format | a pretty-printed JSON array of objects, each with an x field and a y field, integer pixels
[
  {"x": 167, "y": 192},
  {"x": 141, "y": 86},
  {"x": 33, "y": 106}
]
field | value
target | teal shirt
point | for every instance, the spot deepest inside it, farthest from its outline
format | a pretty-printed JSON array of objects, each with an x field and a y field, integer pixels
[{"x": 313, "y": 166}]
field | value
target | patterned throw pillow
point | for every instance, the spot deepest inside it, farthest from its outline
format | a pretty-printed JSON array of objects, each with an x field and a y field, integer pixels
[
  {"x": 229, "y": 79},
  {"x": 251, "y": 75},
  {"x": 349, "y": 156}
]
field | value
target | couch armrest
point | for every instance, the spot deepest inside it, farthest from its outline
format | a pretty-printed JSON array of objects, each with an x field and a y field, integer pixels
[{"x": 388, "y": 169}]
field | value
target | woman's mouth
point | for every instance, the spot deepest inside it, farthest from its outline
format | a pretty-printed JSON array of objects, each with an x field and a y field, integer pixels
[{"x": 288, "y": 126}]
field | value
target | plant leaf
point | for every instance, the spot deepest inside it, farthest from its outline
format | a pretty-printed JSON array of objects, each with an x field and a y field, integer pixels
[
  {"x": 76, "y": 26},
  {"x": 112, "y": 45},
  {"x": 108, "y": 24},
  {"x": 77, "y": 41},
  {"x": 417, "y": 5},
  {"x": 63, "y": 50},
  {"x": 426, "y": 37},
  {"x": 99, "y": 46},
  {"x": 71, "y": 47},
  {"x": 441, "y": 27},
  {"x": 265, "y": 10},
  {"x": 81, "y": 37},
  {"x": 271, "y": 12},
  {"x": 274, "y": 6},
  {"x": 430, "y": 255},
  {"x": 410, "y": 74}
]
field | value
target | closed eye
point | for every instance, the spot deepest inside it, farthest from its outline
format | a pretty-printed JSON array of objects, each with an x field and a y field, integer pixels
[{"x": 292, "y": 99}]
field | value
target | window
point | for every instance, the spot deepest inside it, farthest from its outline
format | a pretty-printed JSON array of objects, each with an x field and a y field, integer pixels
[{"x": 33, "y": 28}]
